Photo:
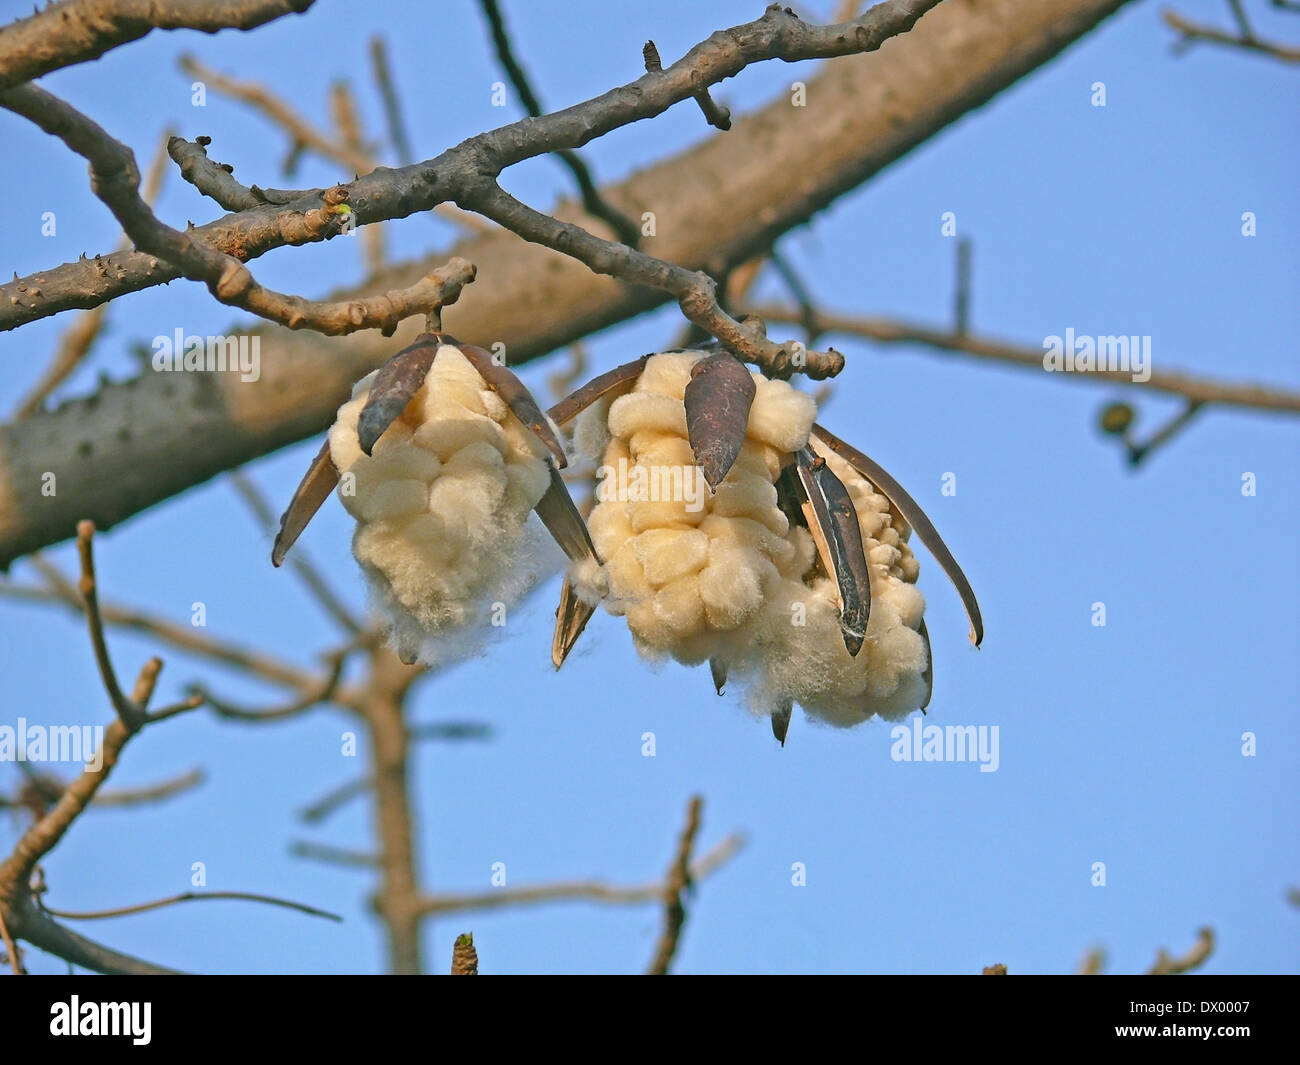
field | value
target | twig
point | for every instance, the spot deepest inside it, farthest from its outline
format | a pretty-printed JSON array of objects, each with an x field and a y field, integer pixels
[
  {"x": 892, "y": 331},
  {"x": 1191, "y": 32},
  {"x": 799, "y": 292},
  {"x": 464, "y": 958},
  {"x": 115, "y": 181},
  {"x": 81, "y": 30},
  {"x": 298, "y": 560},
  {"x": 76, "y": 341},
  {"x": 334, "y": 798},
  {"x": 324, "y": 692},
  {"x": 387, "y": 194},
  {"x": 578, "y": 890},
  {"x": 695, "y": 290},
  {"x": 302, "y": 133},
  {"x": 1167, "y": 965},
  {"x": 714, "y": 114},
  {"x": 181, "y": 637},
  {"x": 678, "y": 883},
  {"x": 214, "y": 180},
  {"x": 1243, "y": 23},
  {"x": 349, "y": 126},
  {"x": 191, "y": 896},
  {"x": 44, "y": 933},
  {"x": 1140, "y": 452},
  {"x": 592, "y": 201},
  {"x": 392, "y": 106},
  {"x": 321, "y": 852},
  {"x": 961, "y": 297},
  {"x": 562, "y": 382},
  {"x": 130, "y": 712},
  {"x": 451, "y": 730},
  {"x": 11, "y": 948},
  {"x": 164, "y": 789}
]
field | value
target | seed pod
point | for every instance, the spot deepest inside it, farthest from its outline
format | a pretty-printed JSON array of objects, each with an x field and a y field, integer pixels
[{"x": 734, "y": 576}]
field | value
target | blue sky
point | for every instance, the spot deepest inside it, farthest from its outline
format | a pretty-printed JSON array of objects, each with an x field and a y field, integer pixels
[{"x": 1119, "y": 744}]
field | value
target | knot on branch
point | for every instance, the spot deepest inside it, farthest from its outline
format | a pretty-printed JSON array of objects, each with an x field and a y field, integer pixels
[{"x": 234, "y": 283}]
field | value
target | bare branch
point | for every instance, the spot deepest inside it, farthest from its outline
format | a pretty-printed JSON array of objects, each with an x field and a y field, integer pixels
[
  {"x": 11, "y": 948},
  {"x": 334, "y": 855},
  {"x": 76, "y": 31},
  {"x": 392, "y": 106},
  {"x": 675, "y": 888},
  {"x": 324, "y": 692},
  {"x": 578, "y": 890},
  {"x": 215, "y": 180},
  {"x": 1167, "y": 965},
  {"x": 302, "y": 133},
  {"x": 298, "y": 560},
  {"x": 115, "y": 180},
  {"x": 385, "y": 194},
  {"x": 1192, "y": 32},
  {"x": 715, "y": 115},
  {"x": 181, "y": 637},
  {"x": 349, "y": 126},
  {"x": 190, "y": 896},
  {"x": 77, "y": 340},
  {"x": 164, "y": 789},
  {"x": 50, "y": 936},
  {"x": 595, "y": 205},
  {"x": 695, "y": 290},
  {"x": 131, "y": 712},
  {"x": 893, "y": 331}
]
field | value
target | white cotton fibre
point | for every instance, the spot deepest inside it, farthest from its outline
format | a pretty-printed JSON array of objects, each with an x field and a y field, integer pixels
[
  {"x": 724, "y": 576},
  {"x": 442, "y": 505}
]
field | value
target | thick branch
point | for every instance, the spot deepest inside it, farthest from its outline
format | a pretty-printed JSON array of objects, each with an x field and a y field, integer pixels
[{"x": 76, "y": 31}]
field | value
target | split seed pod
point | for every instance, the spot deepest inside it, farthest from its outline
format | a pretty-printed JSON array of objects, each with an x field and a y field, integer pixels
[
  {"x": 440, "y": 455},
  {"x": 738, "y": 532}
]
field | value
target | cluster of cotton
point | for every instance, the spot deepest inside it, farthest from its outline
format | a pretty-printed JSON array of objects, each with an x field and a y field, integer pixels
[
  {"x": 726, "y": 576},
  {"x": 442, "y": 503}
]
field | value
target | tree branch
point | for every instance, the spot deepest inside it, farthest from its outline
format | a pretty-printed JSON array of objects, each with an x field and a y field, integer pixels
[
  {"x": 675, "y": 888},
  {"x": 892, "y": 331},
  {"x": 385, "y": 194},
  {"x": 578, "y": 890},
  {"x": 115, "y": 180},
  {"x": 76, "y": 31},
  {"x": 871, "y": 114},
  {"x": 627, "y": 230},
  {"x": 1191, "y": 32}
]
